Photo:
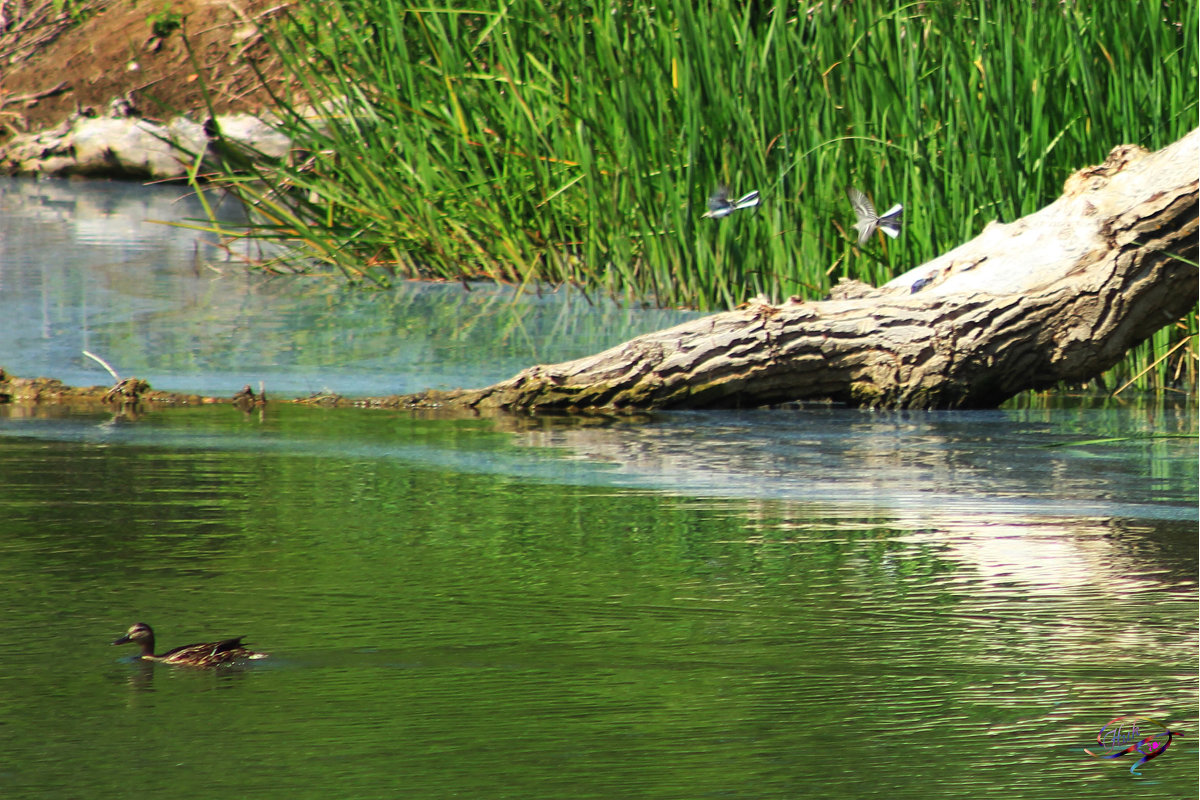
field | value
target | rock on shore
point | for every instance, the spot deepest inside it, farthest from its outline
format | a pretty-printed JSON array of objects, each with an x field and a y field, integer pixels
[{"x": 123, "y": 145}]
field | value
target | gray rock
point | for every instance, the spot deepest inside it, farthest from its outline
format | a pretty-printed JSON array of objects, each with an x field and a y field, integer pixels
[{"x": 121, "y": 146}]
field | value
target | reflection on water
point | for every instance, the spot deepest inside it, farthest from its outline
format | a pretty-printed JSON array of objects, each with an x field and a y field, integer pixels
[
  {"x": 947, "y": 463},
  {"x": 438, "y": 632},
  {"x": 86, "y": 267},
  {"x": 773, "y": 604},
  {"x": 933, "y": 466}
]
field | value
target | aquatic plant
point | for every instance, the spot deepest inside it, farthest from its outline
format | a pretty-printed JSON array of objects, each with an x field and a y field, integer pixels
[{"x": 576, "y": 142}]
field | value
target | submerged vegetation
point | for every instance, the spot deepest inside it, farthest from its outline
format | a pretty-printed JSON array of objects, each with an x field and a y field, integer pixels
[{"x": 578, "y": 142}]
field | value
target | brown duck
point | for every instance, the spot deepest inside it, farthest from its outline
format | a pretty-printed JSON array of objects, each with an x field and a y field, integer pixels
[{"x": 205, "y": 654}]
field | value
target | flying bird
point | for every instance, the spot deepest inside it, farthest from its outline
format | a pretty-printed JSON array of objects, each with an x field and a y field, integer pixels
[
  {"x": 868, "y": 220},
  {"x": 719, "y": 204}
]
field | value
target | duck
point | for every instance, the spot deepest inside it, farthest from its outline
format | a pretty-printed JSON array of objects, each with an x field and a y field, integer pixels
[{"x": 205, "y": 654}]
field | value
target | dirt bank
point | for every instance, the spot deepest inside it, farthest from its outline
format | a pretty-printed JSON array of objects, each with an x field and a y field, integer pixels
[{"x": 54, "y": 64}]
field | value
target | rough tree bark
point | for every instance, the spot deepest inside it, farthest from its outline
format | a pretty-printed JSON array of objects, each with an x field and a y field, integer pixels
[{"x": 1059, "y": 295}]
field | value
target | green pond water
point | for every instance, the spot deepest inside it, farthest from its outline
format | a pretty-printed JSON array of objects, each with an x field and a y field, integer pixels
[
  {"x": 475, "y": 608},
  {"x": 790, "y": 603}
]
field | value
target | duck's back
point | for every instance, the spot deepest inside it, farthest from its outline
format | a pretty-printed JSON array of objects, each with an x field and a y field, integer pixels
[{"x": 210, "y": 653}]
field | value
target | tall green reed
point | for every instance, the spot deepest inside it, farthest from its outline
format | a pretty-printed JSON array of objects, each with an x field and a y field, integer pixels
[{"x": 570, "y": 141}]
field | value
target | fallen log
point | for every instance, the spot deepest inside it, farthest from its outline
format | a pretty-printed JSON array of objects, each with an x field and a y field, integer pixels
[{"x": 1059, "y": 295}]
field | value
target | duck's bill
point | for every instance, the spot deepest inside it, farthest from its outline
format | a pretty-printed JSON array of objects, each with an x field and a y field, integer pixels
[{"x": 123, "y": 640}]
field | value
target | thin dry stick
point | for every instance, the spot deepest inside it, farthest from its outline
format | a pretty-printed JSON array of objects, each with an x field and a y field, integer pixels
[
  {"x": 1157, "y": 361},
  {"x": 33, "y": 97},
  {"x": 104, "y": 364}
]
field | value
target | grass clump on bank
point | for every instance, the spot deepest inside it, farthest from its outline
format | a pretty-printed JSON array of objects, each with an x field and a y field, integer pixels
[{"x": 578, "y": 142}]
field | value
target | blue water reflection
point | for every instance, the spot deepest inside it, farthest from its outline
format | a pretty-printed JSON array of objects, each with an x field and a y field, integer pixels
[
  {"x": 83, "y": 266},
  {"x": 87, "y": 266},
  {"x": 936, "y": 465}
]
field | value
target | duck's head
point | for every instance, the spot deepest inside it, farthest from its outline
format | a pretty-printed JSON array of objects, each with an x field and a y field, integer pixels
[{"x": 140, "y": 633}]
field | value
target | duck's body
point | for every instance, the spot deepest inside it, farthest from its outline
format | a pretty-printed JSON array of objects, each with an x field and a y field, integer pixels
[{"x": 205, "y": 654}]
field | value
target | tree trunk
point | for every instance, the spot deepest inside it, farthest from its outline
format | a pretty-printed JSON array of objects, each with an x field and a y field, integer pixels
[{"x": 1059, "y": 295}]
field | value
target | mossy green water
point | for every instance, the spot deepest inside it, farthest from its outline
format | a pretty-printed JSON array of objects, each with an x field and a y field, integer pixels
[{"x": 453, "y": 609}]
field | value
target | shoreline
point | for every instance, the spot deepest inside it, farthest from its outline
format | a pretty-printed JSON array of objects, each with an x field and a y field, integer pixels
[{"x": 135, "y": 393}]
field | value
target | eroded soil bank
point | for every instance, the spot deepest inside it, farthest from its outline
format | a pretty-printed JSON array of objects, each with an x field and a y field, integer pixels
[
  {"x": 97, "y": 89},
  {"x": 78, "y": 59}
]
